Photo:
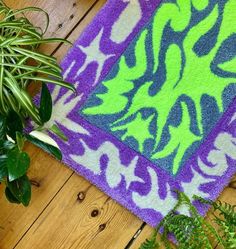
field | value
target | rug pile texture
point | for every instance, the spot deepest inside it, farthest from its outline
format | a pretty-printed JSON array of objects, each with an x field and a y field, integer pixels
[{"x": 155, "y": 109}]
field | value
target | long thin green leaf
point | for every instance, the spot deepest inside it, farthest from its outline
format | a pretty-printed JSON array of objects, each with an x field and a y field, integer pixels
[
  {"x": 14, "y": 60},
  {"x": 38, "y": 57},
  {"x": 11, "y": 102},
  {"x": 31, "y": 9},
  {"x": 27, "y": 52},
  {"x": 20, "y": 62},
  {"x": 22, "y": 97},
  {"x": 24, "y": 42},
  {"x": 17, "y": 94},
  {"x": 11, "y": 55},
  {"x": 8, "y": 41},
  {"x": 3, "y": 11},
  {"x": 1, "y": 86},
  {"x": 32, "y": 69},
  {"x": 48, "y": 80},
  {"x": 18, "y": 26}
]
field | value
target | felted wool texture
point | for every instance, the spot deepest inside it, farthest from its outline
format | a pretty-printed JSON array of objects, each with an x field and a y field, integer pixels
[{"x": 155, "y": 109}]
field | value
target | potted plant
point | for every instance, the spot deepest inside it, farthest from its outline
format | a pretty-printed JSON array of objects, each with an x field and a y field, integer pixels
[{"x": 21, "y": 65}]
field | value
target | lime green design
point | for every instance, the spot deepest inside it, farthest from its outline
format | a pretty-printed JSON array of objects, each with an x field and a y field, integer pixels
[
  {"x": 122, "y": 83},
  {"x": 196, "y": 79},
  {"x": 229, "y": 66},
  {"x": 178, "y": 15},
  {"x": 138, "y": 129},
  {"x": 181, "y": 142},
  {"x": 200, "y": 5}
]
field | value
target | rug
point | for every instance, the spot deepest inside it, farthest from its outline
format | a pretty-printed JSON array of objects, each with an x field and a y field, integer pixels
[{"x": 155, "y": 109}]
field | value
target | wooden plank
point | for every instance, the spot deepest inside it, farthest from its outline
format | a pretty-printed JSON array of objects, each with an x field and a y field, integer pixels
[
  {"x": 60, "y": 53},
  {"x": 81, "y": 217},
  {"x": 64, "y": 15},
  {"x": 48, "y": 176}
]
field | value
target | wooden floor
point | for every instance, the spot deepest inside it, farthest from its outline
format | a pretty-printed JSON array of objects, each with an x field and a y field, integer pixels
[{"x": 66, "y": 210}]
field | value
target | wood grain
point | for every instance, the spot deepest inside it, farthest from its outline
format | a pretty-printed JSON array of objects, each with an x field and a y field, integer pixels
[
  {"x": 64, "y": 16},
  {"x": 81, "y": 217},
  {"x": 48, "y": 176},
  {"x": 60, "y": 53}
]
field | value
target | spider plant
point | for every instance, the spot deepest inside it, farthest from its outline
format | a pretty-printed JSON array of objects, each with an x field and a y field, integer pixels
[
  {"x": 194, "y": 232},
  {"x": 21, "y": 64}
]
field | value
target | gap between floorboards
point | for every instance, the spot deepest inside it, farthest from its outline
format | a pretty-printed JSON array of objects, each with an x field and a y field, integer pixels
[{"x": 138, "y": 232}]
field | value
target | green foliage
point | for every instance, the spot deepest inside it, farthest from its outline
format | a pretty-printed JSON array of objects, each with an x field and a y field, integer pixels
[
  {"x": 225, "y": 218},
  {"x": 20, "y": 190},
  {"x": 2, "y": 127},
  {"x": 45, "y": 110},
  {"x": 194, "y": 232},
  {"x": 14, "y": 124},
  {"x": 55, "y": 129},
  {"x": 47, "y": 147},
  {"x": 17, "y": 164},
  {"x": 21, "y": 64},
  {"x": 19, "y": 43},
  {"x": 14, "y": 162},
  {"x": 150, "y": 243}
]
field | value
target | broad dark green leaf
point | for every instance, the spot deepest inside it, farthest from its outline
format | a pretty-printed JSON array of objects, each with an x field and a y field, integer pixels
[
  {"x": 3, "y": 167},
  {"x": 3, "y": 172},
  {"x": 56, "y": 130},
  {"x": 45, "y": 110},
  {"x": 8, "y": 145},
  {"x": 10, "y": 197},
  {"x": 17, "y": 164},
  {"x": 14, "y": 124},
  {"x": 1, "y": 147},
  {"x": 21, "y": 189},
  {"x": 47, "y": 147},
  {"x": 3, "y": 160},
  {"x": 2, "y": 127}
]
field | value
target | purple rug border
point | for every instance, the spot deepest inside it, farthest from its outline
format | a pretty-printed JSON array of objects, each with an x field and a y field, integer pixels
[
  {"x": 143, "y": 214},
  {"x": 91, "y": 31}
]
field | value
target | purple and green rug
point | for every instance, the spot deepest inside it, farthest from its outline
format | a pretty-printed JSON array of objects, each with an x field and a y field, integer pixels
[{"x": 155, "y": 109}]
